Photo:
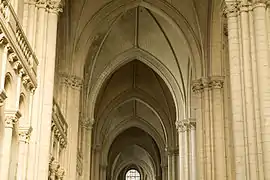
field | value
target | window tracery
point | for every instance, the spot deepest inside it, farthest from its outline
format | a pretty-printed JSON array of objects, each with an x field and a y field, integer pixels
[{"x": 133, "y": 174}]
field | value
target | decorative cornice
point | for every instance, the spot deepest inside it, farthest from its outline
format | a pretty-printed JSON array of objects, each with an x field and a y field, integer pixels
[
  {"x": 71, "y": 81},
  {"x": 214, "y": 82}
]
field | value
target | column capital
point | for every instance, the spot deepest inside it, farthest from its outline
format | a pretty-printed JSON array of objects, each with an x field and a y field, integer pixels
[
  {"x": 54, "y": 6},
  {"x": 71, "y": 81},
  {"x": 87, "y": 123},
  {"x": 180, "y": 126},
  {"x": 244, "y": 6},
  {"x": 211, "y": 82},
  {"x": 259, "y": 3},
  {"x": 24, "y": 134},
  {"x": 11, "y": 117},
  {"x": 231, "y": 8},
  {"x": 60, "y": 173},
  {"x": 41, "y": 3}
]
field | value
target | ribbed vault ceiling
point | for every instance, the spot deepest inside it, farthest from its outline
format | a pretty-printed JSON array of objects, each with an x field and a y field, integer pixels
[{"x": 135, "y": 99}]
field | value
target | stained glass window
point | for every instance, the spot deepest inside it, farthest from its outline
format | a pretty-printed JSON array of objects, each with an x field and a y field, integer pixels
[{"x": 133, "y": 175}]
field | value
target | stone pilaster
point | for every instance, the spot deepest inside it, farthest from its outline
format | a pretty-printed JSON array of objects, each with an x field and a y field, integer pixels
[
  {"x": 24, "y": 136},
  {"x": 87, "y": 126},
  {"x": 262, "y": 59},
  {"x": 210, "y": 128},
  {"x": 46, "y": 50},
  {"x": 181, "y": 130}
]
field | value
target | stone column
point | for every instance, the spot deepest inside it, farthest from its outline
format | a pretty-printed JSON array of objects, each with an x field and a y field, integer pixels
[
  {"x": 87, "y": 144},
  {"x": 239, "y": 167},
  {"x": 186, "y": 151},
  {"x": 181, "y": 130},
  {"x": 193, "y": 171},
  {"x": 210, "y": 133},
  {"x": 262, "y": 59},
  {"x": 53, "y": 7},
  {"x": 24, "y": 135},
  {"x": 96, "y": 162},
  {"x": 73, "y": 86},
  {"x": 11, "y": 117},
  {"x": 34, "y": 142}
]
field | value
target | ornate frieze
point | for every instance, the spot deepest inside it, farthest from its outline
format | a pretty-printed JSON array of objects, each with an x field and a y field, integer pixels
[
  {"x": 11, "y": 118},
  {"x": 214, "y": 82},
  {"x": 71, "y": 81}
]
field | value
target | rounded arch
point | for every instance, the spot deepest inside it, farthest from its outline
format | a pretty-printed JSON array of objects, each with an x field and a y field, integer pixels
[
  {"x": 127, "y": 124},
  {"x": 152, "y": 62},
  {"x": 115, "y": 8}
]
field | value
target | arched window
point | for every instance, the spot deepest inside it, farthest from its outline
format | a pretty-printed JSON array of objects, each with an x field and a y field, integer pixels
[{"x": 133, "y": 175}]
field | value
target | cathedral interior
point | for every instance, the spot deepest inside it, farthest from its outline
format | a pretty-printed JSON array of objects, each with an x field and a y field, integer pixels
[{"x": 134, "y": 89}]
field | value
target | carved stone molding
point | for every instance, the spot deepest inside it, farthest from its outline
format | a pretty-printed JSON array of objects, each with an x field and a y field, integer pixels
[
  {"x": 24, "y": 134},
  {"x": 3, "y": 96},
  {"x": 11, "y": 118},
  {"x": 214, "y": 82},
  {"x": 3, "y": 39},
  {"x": 71, "y": 81}
]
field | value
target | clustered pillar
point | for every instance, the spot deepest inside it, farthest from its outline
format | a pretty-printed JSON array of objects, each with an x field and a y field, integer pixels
[
  {"x": 187, "y": 156},
  {"x": 248, "y": 39}
]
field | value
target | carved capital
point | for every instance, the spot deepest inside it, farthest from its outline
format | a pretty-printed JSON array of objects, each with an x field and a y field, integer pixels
[
  {"x": 55, "y": 6},
  {"x": 259, "y": 3},
  {"x": 41, "y": 3},
  {"x": 231, "y": 8},
  {"x": 71, "y": 81},
  {"x": 60, "y": 173},
  {"x": 24, "y": 134},
  {"x": 180, "y": 126},
  {"x": 87, "y": 124},
  {"x": 11, "y": 117},
  {"x": 53, "y": 167},
  {"x": 214, "y": 82}
]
